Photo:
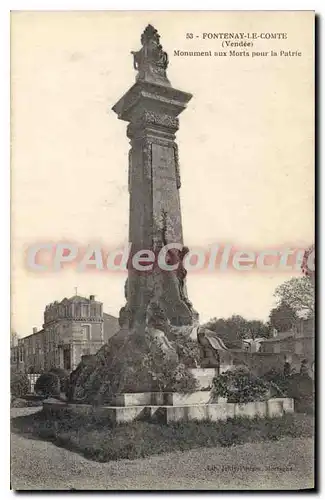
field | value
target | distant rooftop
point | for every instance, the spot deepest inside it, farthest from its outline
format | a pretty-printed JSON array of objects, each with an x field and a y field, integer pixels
[
  {"x": 280, "y": 336},
  {"x": 75, "y": 298}
]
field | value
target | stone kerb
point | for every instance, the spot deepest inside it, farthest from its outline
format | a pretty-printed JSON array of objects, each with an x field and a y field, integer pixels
[{"x": 164, "y": 413}]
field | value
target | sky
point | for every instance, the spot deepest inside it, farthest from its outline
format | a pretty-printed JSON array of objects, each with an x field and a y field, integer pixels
[{"x": 246, "y": 146}]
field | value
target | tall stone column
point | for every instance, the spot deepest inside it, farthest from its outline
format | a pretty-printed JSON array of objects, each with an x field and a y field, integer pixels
[{"x": 151, "y": 107}]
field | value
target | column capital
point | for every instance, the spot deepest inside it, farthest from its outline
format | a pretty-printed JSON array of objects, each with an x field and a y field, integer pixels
[{"x": 152, "y": 99}]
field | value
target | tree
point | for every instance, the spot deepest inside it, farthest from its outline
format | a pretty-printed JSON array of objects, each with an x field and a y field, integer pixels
[
  {"x": 19, "y": 384},
  {"x": 237, "y": 328},
  {"x": 258, "y": 328},
  {"x": 282, "y": 317},
  {"x": 13, "y": 338},
  {"x": 298, "y": 294}
]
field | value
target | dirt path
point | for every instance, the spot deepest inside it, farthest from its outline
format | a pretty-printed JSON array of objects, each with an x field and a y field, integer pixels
[{"x": 285, "y": 464}]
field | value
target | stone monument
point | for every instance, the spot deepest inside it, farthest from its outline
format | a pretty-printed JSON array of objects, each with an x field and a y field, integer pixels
[
  {"x": 147, "y": 370},
  {"x": 158, "y": 313}
]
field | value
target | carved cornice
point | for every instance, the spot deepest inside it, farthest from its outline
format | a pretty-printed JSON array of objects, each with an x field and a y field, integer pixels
[
  {"x": 85, "y": 318},
  {"x": 159, "y": 119},
  {"x": 54, "y": 322},
  {"x": 152, "y": 132},
  {"x": 154, "y": 124}
]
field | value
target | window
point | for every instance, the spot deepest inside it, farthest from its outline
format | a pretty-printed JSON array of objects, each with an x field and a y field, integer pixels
[
  {"x": 86, "y": 332},
  {"x": 67, "y": 358},
  {"x": 84, "y": 310}
]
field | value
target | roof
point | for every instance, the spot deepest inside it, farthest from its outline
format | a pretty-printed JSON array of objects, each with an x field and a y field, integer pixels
[
  {"x": 284, "y": 336},
  {"x": 109, "y": 316},
  {"x": 250, "y": 341},
  {"x": 74, "y": 298},
  {"x": 77, "y": 298},
  {"x": 31, "y": 335},
  {"x": 215, "y": 342}
]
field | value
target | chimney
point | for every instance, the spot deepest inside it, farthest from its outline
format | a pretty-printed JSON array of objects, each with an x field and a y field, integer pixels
[
  {"x": 35, "y": 329},
  {"x": 91, "y": 297}
]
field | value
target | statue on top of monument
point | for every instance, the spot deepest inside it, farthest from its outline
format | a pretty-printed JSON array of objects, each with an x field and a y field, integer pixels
[{"x": 151, "y": 60}]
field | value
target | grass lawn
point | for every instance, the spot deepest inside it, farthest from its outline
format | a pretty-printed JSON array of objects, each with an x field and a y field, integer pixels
[{"x": 98, "y": 440}]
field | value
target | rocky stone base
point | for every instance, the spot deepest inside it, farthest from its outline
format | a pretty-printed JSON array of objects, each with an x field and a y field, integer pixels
[{"x": 134, "y": 361}]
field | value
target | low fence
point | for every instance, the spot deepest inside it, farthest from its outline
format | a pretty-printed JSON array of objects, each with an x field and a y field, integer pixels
[{"x": 32, "y": 377}]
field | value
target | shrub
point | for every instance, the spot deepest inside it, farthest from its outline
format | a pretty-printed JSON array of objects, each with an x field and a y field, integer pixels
[
  {"x": 166, "y": 373},
  {"x": 48, "y": 384},
  {"x": 77, "y": 382},
  {"x": 182, "y": 380},
  {"x": 240, "y": 386},
  {"x": 278, "y": 381},
  {"x": 63, "y": 377},
  {"x": 19, "y": 384},
  {"x": 298, "y": 386},
  {"x": 301, "y": 389},
  {"x": 188, "y": 351}
]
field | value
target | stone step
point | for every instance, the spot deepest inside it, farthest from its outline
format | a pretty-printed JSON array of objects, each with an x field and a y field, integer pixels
[
  {"x": 215, "y": 412},
  {"x": 163, "y": 398}
]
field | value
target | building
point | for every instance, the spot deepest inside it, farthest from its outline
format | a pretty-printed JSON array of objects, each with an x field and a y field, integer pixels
[
  {"x": 252, "y": 345},
  {"x": 299, "y": 340},
  {"x": 295, "y": 348},
  {"x": 72, "y": 328},
  {"x": 295, "y": 345}
]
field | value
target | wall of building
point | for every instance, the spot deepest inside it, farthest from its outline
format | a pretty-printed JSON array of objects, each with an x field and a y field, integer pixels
[
  {"x": 33, "y": 346},
  {"x": 72, "y": 328},
  {"x": 111, "y": 326},
  {"x": 298, "y": 343},
  {"x": 260, "y": 363}
]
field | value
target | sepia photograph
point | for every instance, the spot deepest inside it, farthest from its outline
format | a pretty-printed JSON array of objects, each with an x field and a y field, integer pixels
[{"x": 162, "y": 250}]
